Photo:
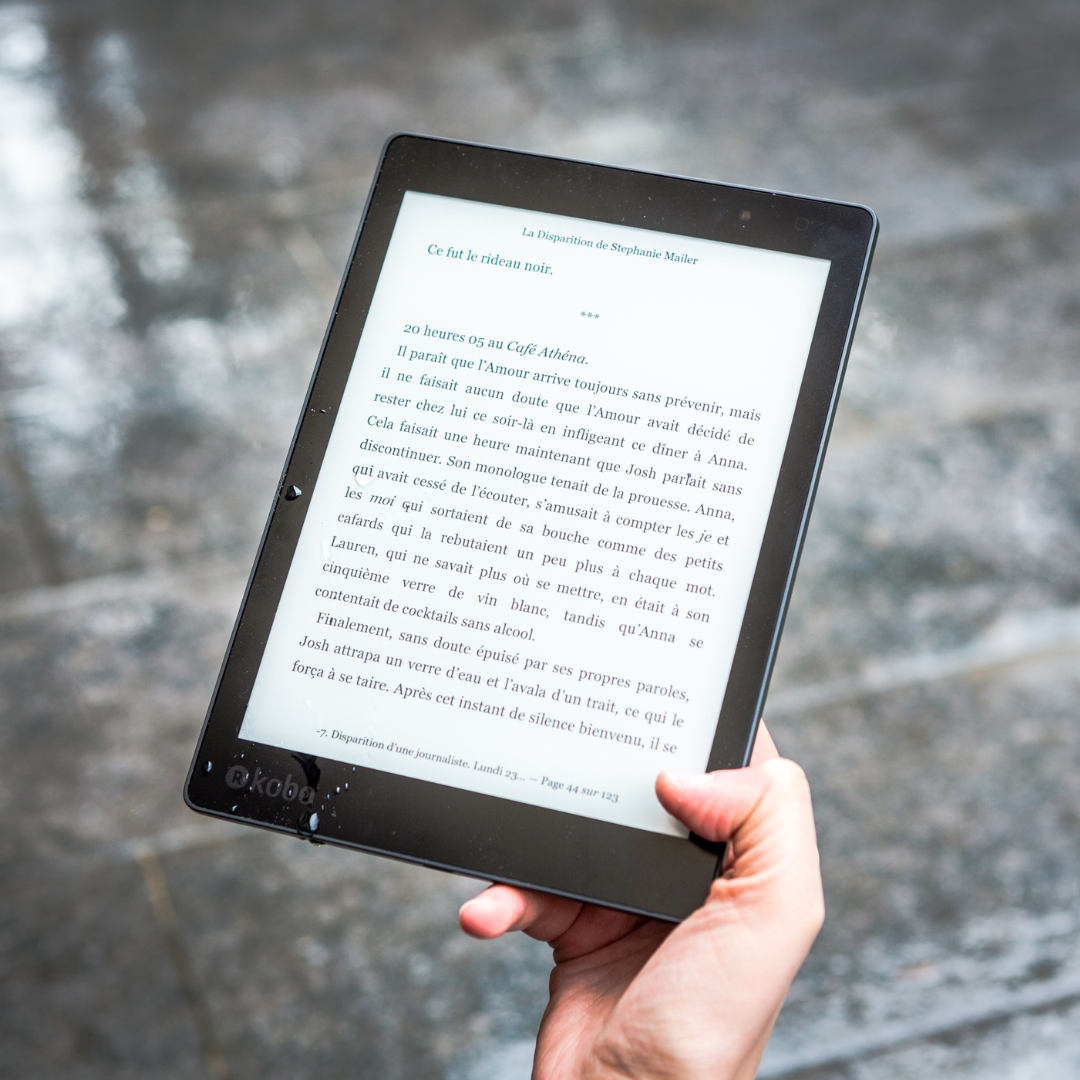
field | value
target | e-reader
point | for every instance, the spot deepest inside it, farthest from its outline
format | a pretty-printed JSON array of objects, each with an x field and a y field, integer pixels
[{"x": 539, "y": 523}]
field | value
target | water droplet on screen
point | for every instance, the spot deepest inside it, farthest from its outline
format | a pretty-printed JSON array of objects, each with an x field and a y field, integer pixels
[
  {"x": 293, "y": 492},
  {"x": 207, "y": 767},
  {"x": 313, "y": 822}
]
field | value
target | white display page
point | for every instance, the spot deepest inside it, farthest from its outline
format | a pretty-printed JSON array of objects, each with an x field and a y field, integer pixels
[{"x": 525, "y": 563}]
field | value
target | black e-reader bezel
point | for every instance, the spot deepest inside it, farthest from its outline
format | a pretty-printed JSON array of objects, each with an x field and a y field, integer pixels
[{"x": 481, "y": 835}]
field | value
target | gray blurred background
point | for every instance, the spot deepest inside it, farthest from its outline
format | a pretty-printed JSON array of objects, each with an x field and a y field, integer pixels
[{"x": 179, "y": 186}]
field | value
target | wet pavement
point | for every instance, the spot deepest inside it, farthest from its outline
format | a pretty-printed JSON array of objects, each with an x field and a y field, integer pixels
[{"x": 179, "y": 185}]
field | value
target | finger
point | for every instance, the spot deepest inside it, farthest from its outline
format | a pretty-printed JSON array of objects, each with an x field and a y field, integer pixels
[
  {"x": 594, "y": 928},
  {"x": 764, "y": 750},
  {"x": 764, "y": 747},
  {"x": 716, "y": 805},
  {"x": 500, "y": 909}
]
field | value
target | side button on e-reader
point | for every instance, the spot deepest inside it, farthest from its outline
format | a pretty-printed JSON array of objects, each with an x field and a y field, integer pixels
[{"x": 293, "y": 492}]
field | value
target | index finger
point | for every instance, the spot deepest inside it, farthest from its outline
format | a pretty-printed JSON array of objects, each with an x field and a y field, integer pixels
[
  {"x": 501, "y": 908},
  {"x": 570, "y": 927}
]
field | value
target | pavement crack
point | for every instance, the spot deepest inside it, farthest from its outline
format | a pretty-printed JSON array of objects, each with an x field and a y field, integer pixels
[
  {"x": 157, "y": 891},
  {"x": 1034, "y": 999},
  {"x": 40, "y": 541}
]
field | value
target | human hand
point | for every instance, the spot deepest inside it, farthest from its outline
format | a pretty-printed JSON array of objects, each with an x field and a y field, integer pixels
[{"x": 636, "y": 997}]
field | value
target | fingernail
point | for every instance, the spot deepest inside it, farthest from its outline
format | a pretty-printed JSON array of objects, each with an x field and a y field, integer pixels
[{"x": 680, "y": 778}]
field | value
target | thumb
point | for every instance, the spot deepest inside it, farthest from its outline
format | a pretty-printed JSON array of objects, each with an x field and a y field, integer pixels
[
  {"x": 764, "y": 811},
  {"x": 713, "y": 805}
]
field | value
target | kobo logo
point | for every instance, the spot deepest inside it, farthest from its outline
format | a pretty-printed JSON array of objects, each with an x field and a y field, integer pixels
[
  {"x": 270, "y": 786},
  {"x": 237, "y": 776}
]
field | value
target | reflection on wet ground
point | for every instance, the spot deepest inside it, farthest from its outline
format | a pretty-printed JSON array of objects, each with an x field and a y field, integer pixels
[{"x": 179, "y": 186}]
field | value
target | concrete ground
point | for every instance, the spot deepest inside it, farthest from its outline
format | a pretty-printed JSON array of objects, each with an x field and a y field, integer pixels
[{"x": 179, "y": 185}]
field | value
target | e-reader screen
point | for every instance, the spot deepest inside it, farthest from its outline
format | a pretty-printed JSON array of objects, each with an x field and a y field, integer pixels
[{"x": 526, "y": 560}]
